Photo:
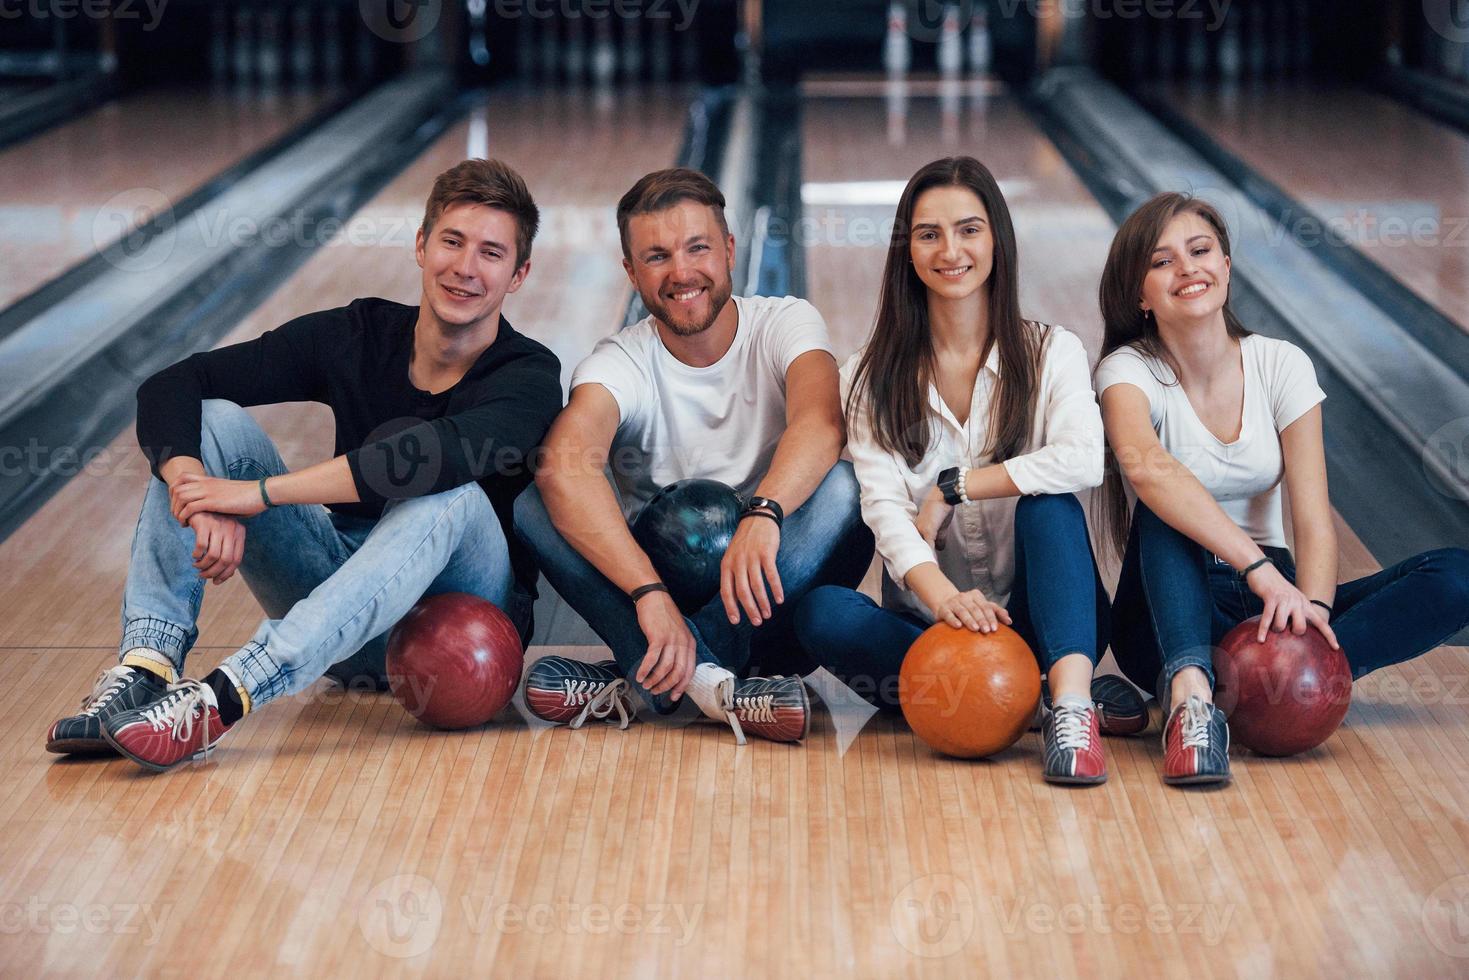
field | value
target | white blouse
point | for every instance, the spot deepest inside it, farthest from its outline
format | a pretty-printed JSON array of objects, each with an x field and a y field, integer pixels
[{"x": 1063, "y": 454}]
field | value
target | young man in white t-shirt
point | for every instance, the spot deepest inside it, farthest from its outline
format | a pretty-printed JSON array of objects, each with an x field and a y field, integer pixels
[{"x": 713, "y": 386}]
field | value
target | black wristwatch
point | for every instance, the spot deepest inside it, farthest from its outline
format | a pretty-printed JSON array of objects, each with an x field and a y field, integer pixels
[
  {"x": 764, "y": 507},
  {"x": 949, "y": 486}
]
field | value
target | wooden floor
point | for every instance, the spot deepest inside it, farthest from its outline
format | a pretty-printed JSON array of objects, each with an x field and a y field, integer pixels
[
  {"x": 330, "y": 834},
  {"x": 1360, "y": 161}
]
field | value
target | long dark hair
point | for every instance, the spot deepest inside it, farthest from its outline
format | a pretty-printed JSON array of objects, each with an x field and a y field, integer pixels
[
  {"x": 1126, "y": 325},
  {"x": 893, "y": 375}
]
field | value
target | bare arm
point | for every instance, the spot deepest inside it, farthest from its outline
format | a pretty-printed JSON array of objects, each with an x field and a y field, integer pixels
[
  {"x": 581, "y": 502},
  {"x": 583, "y": 507},
  {"x": 1167, "y": 486},
  {"x": 1310, "y": 507},
  {"x": 814, "y": 433}
]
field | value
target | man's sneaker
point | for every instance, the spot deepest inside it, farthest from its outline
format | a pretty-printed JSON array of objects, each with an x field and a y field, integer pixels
[
  {"x": 117, "y": 689},
  {"x": 561, "y": 690},
  {"x": 180, "y": 725},
  {"x": 1195, "y": 744},
  {"x": 1120, "y": 708},
  {"x": 1073, "y": 741},
  {"x": 775, "y": 707}
]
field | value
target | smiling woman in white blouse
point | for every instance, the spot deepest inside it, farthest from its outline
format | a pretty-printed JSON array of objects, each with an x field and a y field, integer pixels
[
  {"x": 1207, "y": 420},
  {"x": 970, "y": 429}
]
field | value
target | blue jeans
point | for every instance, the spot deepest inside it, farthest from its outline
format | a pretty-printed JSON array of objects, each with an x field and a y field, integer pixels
[
  {"x": 1057, "y": 603},
  {"x": 332, "y": 584},
  {"x": 1175, "y": 601},
  {"x": 824, "y": 541}
]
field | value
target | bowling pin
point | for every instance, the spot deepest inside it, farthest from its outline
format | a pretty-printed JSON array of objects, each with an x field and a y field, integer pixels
[
  {"x": 575, "y": 59},
  {"x": 268, "y": 60},
  {"x": 981, "y": 46},
  {"x": 479, "y": 48},
  {"x": 331, "y": 49},
  {"x": 302, "y": 60},
  {"x": 550, "y": 47},
  {"x": 219, "y": 44},
  {"x": 632, "y": 49},
  {"x": 604, "y": 54},
  {"x": 951, "y": 51},
  {"x": 897, "y": 53},
  {"x": 661, "y": 50},
  {"x": 1230, "y": 57},
  {"x": 244, "y": 46},
  {"x": 1197, "y": 58}
]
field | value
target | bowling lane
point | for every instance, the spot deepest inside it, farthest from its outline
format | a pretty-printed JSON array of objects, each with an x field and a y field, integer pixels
[
  {"x": 65, "y": 569},
  {"x": 77, "y": 188},
  {"x": 1393, "y": 182},
  {"x": 863, "y": 140}
]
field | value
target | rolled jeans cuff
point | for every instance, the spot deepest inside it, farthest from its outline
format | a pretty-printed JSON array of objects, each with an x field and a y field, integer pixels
[{"x": 169, "y": 641}]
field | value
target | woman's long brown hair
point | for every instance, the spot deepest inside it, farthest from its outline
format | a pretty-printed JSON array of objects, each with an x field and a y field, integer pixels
[
  {"x": 892, "y": 378},
  {"x": 1125, "y": 324}
]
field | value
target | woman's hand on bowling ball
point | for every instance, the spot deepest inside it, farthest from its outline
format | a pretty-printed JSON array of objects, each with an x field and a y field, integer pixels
[
  {"x": 668, "y": 665},
  {"x": 748, "y": 564},
  {"x": 219, "y": 544},
  {"x": 1286, "y": 607},
  {"x": 934, "y": 517},
  {"x": 195, "y": 493},
  {"x": 972, "y": 611}
]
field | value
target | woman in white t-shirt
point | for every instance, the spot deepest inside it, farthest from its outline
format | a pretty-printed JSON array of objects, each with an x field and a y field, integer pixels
[
  {"x": 956, "y": 408},
  {"x": 1205, "y": 418}
]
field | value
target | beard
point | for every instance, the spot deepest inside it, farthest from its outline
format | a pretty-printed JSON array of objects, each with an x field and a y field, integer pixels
[{"x": 684, "y": 326}]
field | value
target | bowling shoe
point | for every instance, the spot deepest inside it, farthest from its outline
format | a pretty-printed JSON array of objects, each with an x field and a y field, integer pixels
[
  {"x": 182, "y": 724},
  {"x": 1073, "y": 740},
  {"x": 1195, "y": 744},
  {"x": 774, "y": 707},
  {"x": 1121, "y": 711},
  {"x": 117, "y": 689},
  {"x": 561, "y": 690}
]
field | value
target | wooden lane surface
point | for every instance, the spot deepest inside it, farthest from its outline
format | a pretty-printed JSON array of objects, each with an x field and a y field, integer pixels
[
  {"x": 324, "y": 799},
  {"x": 61, "y": 188},
  {"x": 1393, "y": 182},
  {"x": 1343, "y": 860}
]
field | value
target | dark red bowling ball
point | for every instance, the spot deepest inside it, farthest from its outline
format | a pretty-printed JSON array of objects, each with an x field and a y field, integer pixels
[
  {"x": 1283, "y": 696},
  {"x": 454, "y": 660}
]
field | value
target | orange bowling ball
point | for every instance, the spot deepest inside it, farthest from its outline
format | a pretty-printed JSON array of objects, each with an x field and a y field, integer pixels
[{"x": 969, "y": 694}]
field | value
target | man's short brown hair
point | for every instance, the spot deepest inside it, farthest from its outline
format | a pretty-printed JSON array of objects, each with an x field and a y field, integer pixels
[
  {"x": 493, "y": 184},
  {"x": 661, "y": 190}
]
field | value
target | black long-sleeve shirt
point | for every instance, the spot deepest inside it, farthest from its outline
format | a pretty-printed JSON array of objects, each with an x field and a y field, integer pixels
[{"x": 400, "y": 442}]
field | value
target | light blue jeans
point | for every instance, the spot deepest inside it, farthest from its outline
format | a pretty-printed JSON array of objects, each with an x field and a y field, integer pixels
[{"x": 332, "y": 585}]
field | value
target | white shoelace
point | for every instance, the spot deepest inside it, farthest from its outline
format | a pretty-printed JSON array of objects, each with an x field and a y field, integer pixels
[
  {"x": 1195, "y": 723},
  {"x": 109, "y": 683},
  {"x": 612, "y": 697},
  {"x": 726, "y": 698},
  {"x": 578, "y": 691},
  {"x": 1073, "y": 727},
  {"x": 176, "y": 711}
]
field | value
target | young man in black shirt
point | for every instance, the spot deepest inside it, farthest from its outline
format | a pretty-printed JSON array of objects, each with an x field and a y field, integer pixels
[{"x": 437, "y": 409}]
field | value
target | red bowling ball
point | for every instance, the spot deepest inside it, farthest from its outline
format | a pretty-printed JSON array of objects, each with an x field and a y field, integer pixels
[
  {"x": 1283, "y": 696},
  {"x": 454, "y": 660}
]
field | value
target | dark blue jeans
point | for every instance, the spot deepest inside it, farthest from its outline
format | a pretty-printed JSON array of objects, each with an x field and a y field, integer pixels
[
  {"x": 823, "y": 542},
  {"x": 1175, "y": 601},
  {"x": 1057, "y": 603}
]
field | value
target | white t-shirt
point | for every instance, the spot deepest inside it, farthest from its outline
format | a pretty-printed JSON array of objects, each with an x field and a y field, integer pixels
[
  {"x": 720, "y": 422},
  {"x": 1244, "y": 475}
]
